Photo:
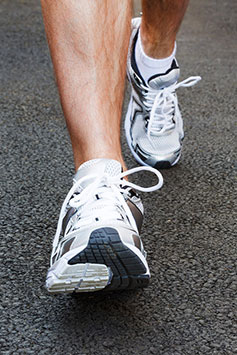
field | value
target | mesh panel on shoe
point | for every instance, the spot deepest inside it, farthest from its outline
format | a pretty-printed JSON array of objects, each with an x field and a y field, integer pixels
[
  {"x": 100, "y": 167},
  {"x": 160, "y": 144},
  {"x": 113, "y": 168}
]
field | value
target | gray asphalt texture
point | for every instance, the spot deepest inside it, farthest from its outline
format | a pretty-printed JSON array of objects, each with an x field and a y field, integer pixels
[{"x": 190, "y": 227}]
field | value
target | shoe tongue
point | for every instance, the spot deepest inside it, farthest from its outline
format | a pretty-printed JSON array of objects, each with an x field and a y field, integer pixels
[
  {"x": 162, "y": 81},
  {"x": 97, "y": 167}
]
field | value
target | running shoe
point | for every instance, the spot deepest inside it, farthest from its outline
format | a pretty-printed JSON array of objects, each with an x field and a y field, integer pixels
[
  {"x": 97, "y": 243},
  {"x": 153, "y": 123}
]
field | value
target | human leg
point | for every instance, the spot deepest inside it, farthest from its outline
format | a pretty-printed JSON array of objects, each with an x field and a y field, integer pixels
[
  {"x": 97, "y": 243},
  {"x": 88, "y": 41},
  {"x": 161, "y": 20}
]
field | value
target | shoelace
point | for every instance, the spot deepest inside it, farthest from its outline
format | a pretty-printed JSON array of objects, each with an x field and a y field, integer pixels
[
  {"x": 110, "y": 206},
  {"x": 162, "y": 104}
]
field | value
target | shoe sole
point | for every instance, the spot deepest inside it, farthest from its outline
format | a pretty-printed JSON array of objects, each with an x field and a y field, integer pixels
[
  {"x": 162, "y": 164},
  {"x": 105, "y": 264}
]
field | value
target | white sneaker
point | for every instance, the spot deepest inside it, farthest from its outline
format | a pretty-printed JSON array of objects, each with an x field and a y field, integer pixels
[
  {"x": 97, "y": 244},
  {"x": 153, "y": 124}
]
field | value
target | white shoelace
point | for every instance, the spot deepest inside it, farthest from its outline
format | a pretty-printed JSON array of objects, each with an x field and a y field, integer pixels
[
  {"x": 111, "y": 206},
  {"x": 162, "y": 105}
]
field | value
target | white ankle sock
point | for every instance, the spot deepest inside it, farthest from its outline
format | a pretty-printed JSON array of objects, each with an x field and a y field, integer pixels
[{"x": 150, "y": 66}]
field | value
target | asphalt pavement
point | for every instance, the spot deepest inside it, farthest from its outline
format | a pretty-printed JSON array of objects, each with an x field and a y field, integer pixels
[{"x": 189, "y": 233}]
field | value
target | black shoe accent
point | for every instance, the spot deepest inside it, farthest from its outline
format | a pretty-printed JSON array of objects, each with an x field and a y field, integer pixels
[
  {"x": 133, "y": 60},
  {"x": 105, "y": 247},
  {"x": 163, "y": 165},
  {"x": 174, "y": 65}
]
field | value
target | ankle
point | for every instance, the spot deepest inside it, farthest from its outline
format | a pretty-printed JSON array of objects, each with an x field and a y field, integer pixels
[
  {"x": 155, "y": 46},
  {"x": 148, "y": 66}
]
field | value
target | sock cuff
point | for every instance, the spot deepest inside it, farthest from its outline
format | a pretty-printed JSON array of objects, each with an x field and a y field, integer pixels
[{"x": 153, "y": 62}]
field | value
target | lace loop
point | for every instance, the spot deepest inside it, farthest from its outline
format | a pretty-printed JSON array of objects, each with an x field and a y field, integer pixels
[{"x": 162, "y": 104}]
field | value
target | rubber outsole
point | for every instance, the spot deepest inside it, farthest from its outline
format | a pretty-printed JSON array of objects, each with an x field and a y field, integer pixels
[
  {"x": 105, "y": 264},
  {"x": 105, "y": 247},
  {"x": 85, "y": 277}
]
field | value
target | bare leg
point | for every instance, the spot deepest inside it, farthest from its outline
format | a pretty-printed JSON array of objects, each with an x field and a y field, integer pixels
[
  {"x": 88, "y": 41},
  {"x": 160, "y": 23}
]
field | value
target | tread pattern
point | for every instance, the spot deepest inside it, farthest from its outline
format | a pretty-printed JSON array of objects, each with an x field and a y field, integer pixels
[{"x": 106, "y": 247}]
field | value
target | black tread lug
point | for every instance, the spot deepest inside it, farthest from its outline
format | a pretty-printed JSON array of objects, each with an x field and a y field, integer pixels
[
  {"x": 106, "y": 247},
  {"x": 163, "y": 165}
]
